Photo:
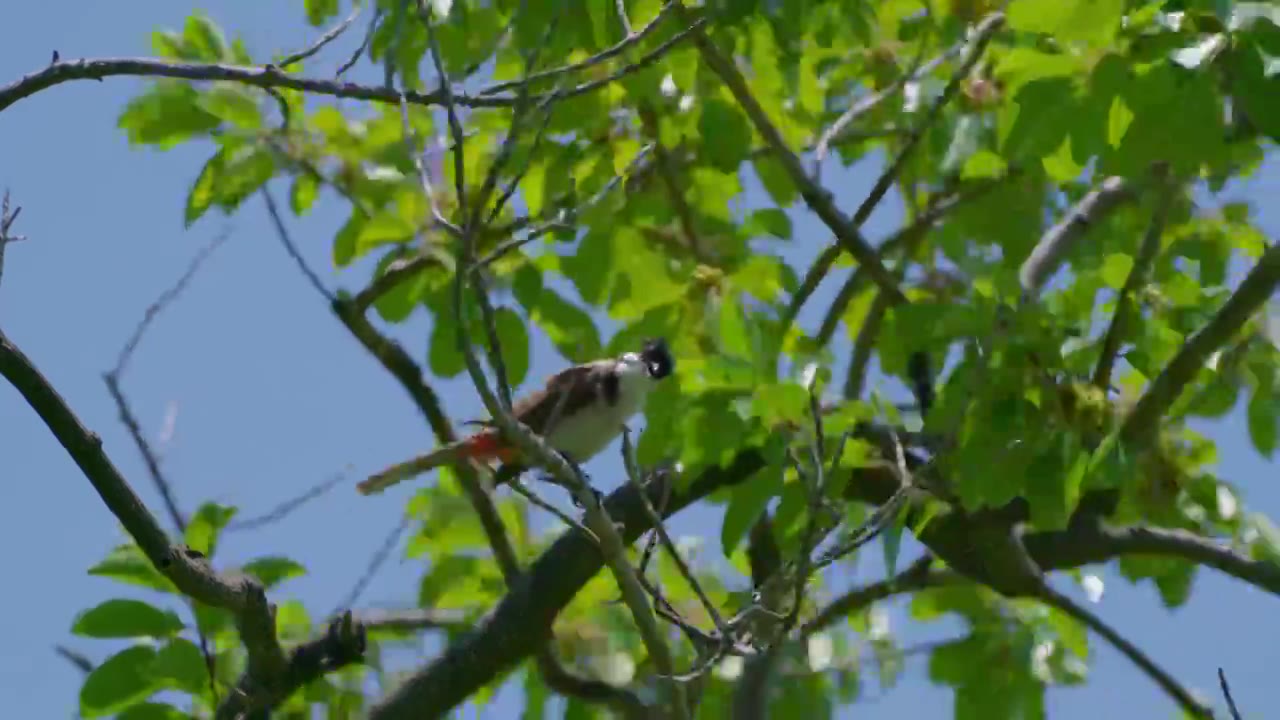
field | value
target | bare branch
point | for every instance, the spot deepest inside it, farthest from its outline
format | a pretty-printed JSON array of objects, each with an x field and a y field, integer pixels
[
  {"x": 376, "y": 562},
  {"x": 916, "y": 576},
  {"x": 7, "y": 219},
  {"x": 283, "y": 510},
  {"x": 1048, "y": 254},
  {"x": 1226, "y": 693},
  {"x": 1189, "y": 703},
  {"x": 79, "y": 660},
  {"x": 364, "y": 44},
  {"x": 165, "y": 298},
  {"x": 287, "y": 241},
  {"x": 332, "y": 34}
]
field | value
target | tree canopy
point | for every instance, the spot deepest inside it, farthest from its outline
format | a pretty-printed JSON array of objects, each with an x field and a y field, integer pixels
[{"x": 1065, "y": 293}]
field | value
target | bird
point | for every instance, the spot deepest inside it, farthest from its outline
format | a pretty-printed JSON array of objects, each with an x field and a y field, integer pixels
[{"x": 578, "y": 413}]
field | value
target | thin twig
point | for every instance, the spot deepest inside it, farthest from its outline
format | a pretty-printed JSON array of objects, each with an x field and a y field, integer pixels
[
  {"x": 608, "y": 53},
  {"x": 1226, "y": 693},
  {"x": 376, "y": 562},
  {"x": 7, "y": 219},
  {"x": 282, "y": 510},
  {"x": 982, "y": 36},
  {"x": 130, "y": 420},
  {"x": 323, "y": 40},
  {"x": 79, "y": 660},
  {"x": 864, "y": 105},
  {"x": 364, "y": 45},
  {"x": 165, "y": 298},
  {"x": 817, "y": 198},
  {"x": 1120, "y": 319},
  {"x": 660, "y": 529},
  {"x": 290, "y": 247}
]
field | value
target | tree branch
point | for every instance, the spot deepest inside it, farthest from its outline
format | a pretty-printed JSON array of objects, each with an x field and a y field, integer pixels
[
  {"x": 1048, "y": 254},
  {"x": 1254, "y": 291},
  {"x": 815, "y": 196},
  {"x": 1147, "y": 252},
  {"x": 1189, "y": 703},
  {"x": 271, "y": 675}
]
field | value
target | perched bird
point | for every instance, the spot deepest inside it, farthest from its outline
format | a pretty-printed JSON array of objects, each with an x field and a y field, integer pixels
[{"x": 579, "y": 411}]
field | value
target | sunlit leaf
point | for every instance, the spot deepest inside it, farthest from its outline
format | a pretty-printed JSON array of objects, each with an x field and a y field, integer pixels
[
  {"x": 123, "y": 618},
  {"x": 205, "y": 525},
  {"x": 118, "y": 681},
  {"x": 272, "y": 570}
]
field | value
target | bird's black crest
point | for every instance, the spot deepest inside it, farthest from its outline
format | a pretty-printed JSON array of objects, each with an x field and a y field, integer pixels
[{"x": 658, "y": 358}]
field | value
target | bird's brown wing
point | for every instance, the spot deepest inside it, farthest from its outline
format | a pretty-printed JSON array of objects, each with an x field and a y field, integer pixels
[{"x": 565, "y": 393}]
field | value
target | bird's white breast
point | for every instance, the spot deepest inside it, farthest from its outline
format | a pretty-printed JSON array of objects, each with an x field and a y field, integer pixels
[{"x": 584, "y": 434}]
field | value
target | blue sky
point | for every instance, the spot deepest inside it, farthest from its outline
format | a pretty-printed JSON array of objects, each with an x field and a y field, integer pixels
[{"x": 270, "y": 395}]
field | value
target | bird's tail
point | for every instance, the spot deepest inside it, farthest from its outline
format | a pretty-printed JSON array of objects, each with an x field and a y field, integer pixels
[{"x": 484, "y": 446}]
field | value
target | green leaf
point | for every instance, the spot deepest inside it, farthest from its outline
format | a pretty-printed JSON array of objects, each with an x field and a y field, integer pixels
[
  {"x": 344, "y": 243},
  {"x": 385, "y": 228},
  {"x": 204, "y": 190},
  {"x": 319, "y": 11},
  {"x": 514, "y": 337},
  {"x": 775, "y": 179},
  {"x": 245, "y": 169},
  {"x": 746, "y": 504},
  {"x": 443, "y": 356},
  {"x": 983, "y": 164},
  {"x": 1262, "y": 413},
  {"x": 726, "y": 134},
  {"x": 568, "y": 327},
  {"x": 204, "y": 38},
  {"x": 205, "y": 526},
  {"x": 182, "y": 666},
  {"x": 1119, "y": 116},
  {"x": 303, "y": 193},
  {"x": 891, "y": 543},
  {"x": 1090, "y": 21},
  {"x": 127, "y": 564},
  {"x": 165, "y": 115},
  {"x": 122, "y": 618},
  {"x": 768, "y": 221},
  {"x": 1115, "y": 270},
  {"x": 735, "y": 338},
  {"x": 118, "y": 682},
  {"x": 232, "y": 103},
  {"x": 273, "y": 570}
]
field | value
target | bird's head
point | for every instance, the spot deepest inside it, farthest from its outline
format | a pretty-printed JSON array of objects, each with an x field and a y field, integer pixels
[{"x": 657, "y": 358}]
